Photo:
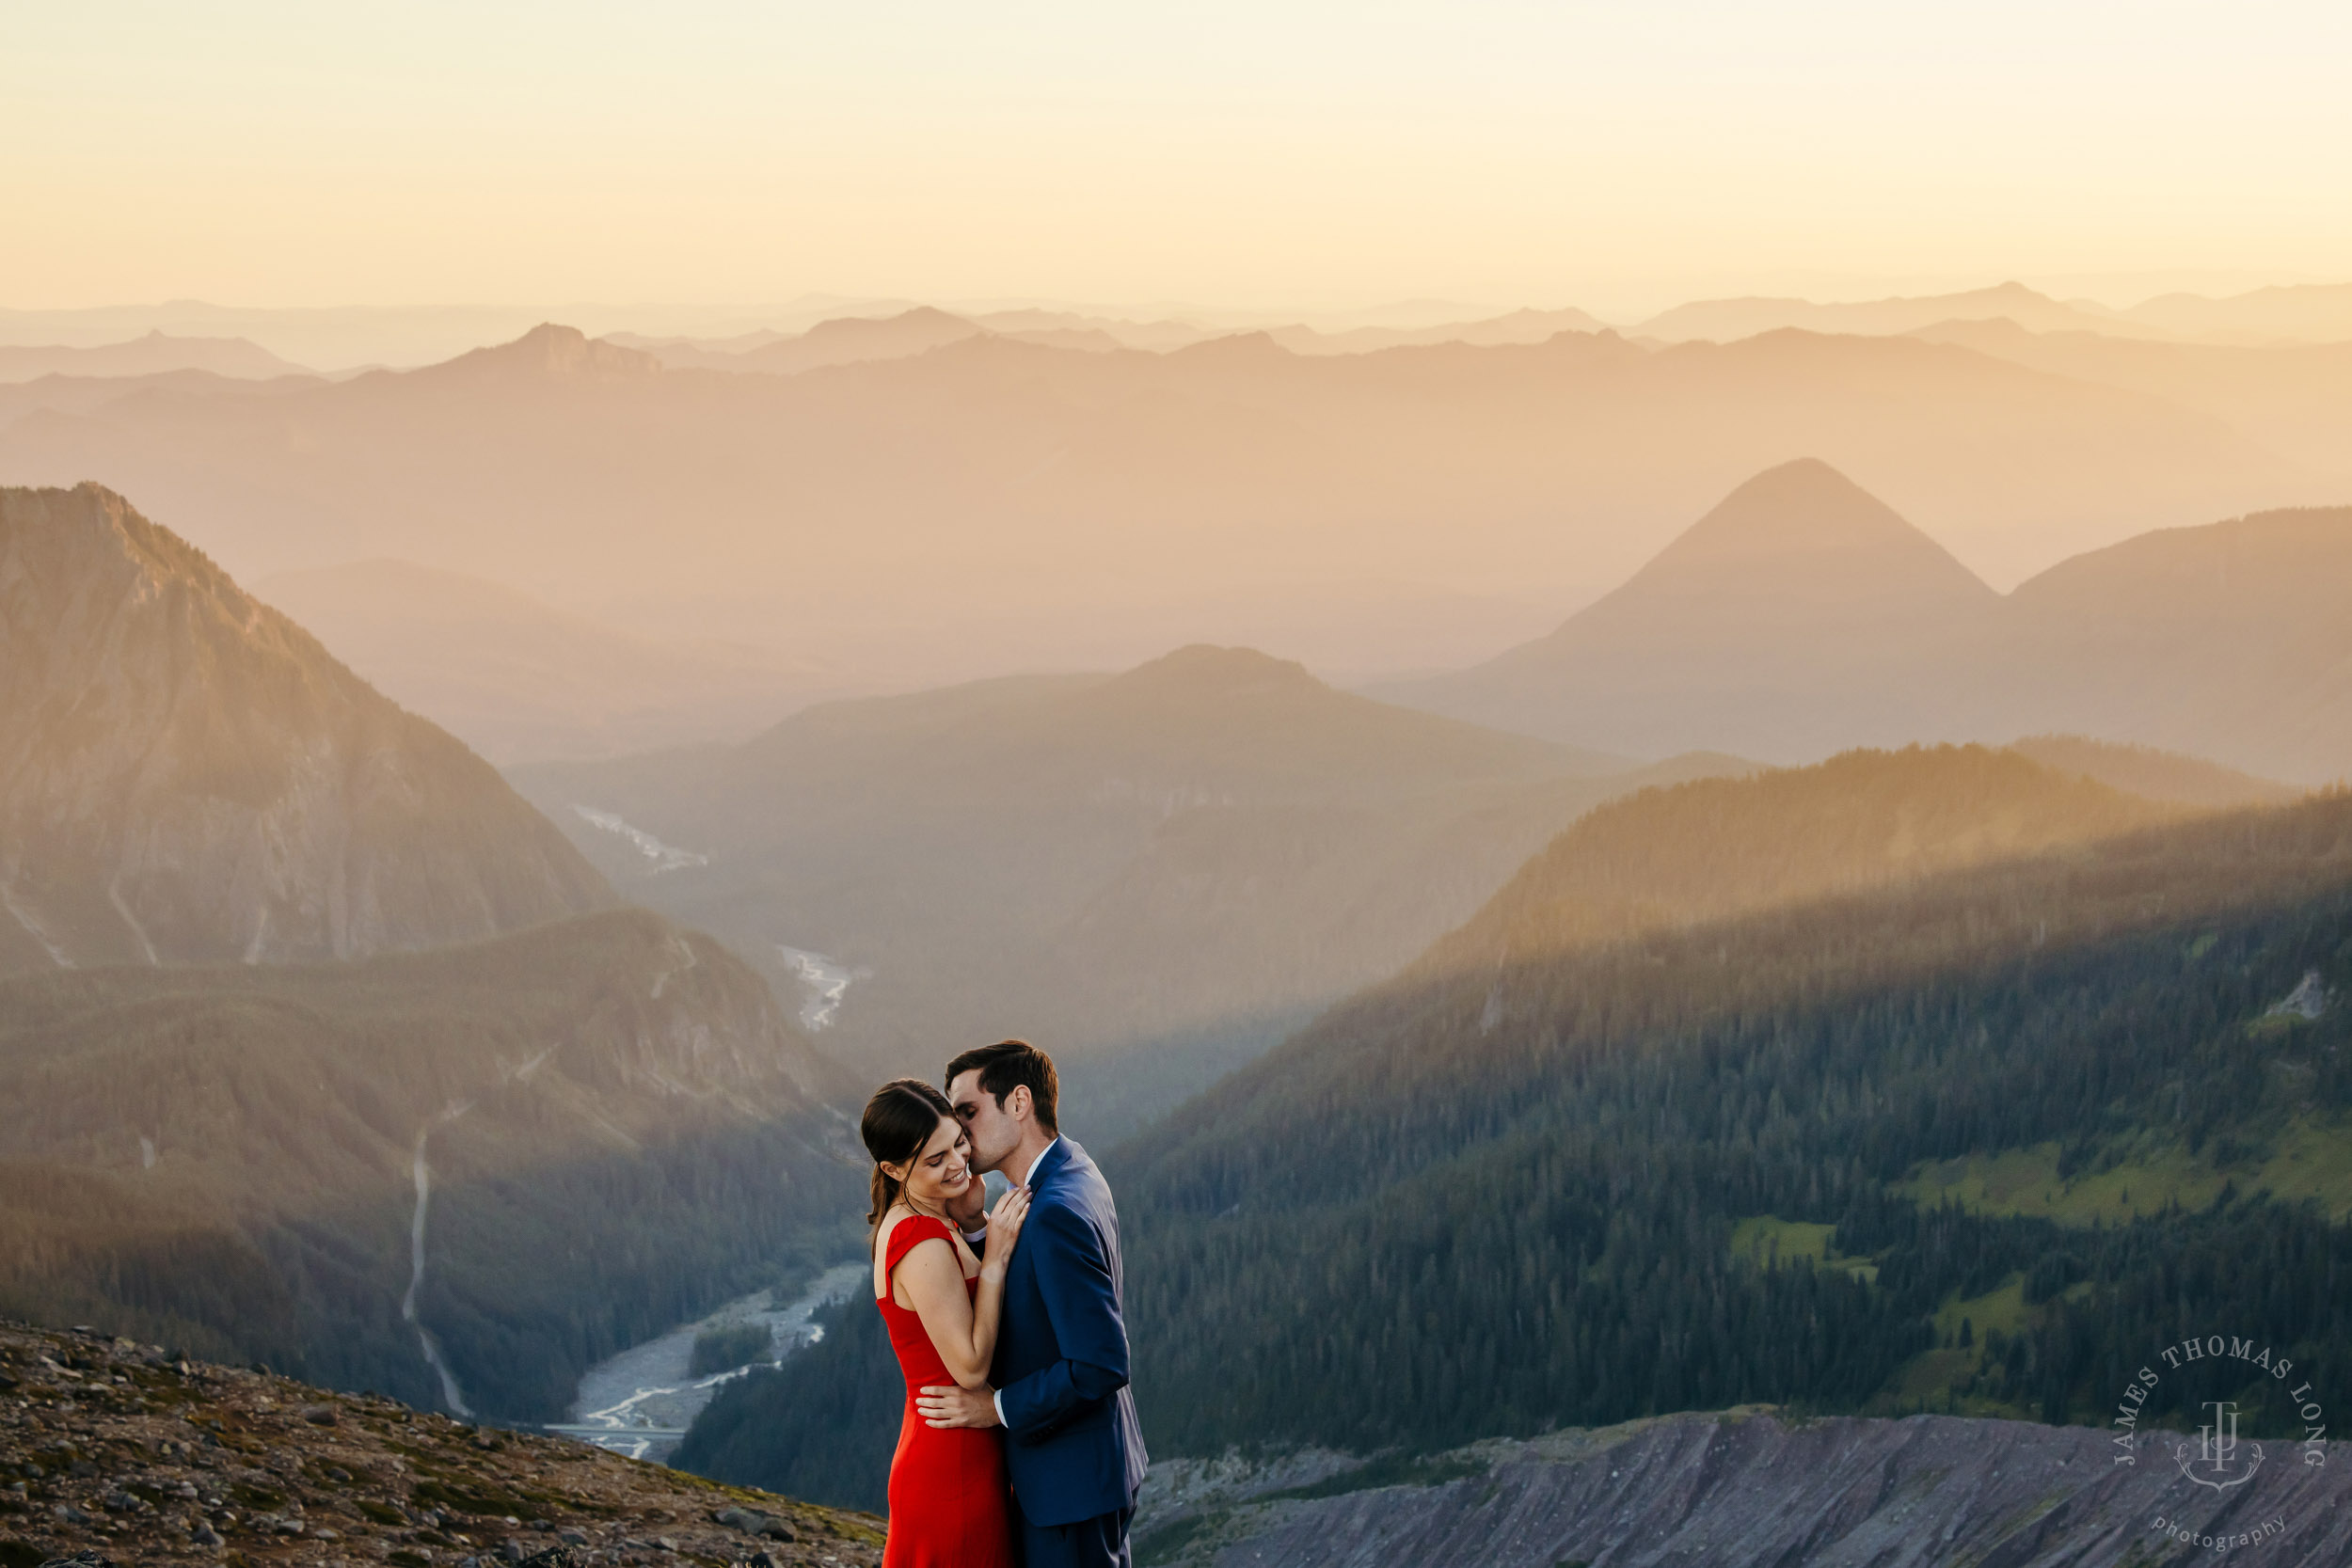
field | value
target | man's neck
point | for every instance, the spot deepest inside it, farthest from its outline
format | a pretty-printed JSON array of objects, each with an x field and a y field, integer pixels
[{"x": 1021, "y": 1163}]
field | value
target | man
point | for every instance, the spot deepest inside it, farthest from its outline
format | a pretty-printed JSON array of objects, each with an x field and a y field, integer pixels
[{"x": 1058, "y": 1383}]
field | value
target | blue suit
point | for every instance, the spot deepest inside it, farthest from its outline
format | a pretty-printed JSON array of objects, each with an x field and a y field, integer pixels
[{"x": 1074, "y": 1449}]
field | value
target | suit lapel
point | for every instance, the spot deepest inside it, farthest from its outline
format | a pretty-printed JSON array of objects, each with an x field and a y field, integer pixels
[{"x": 1050, "y": 1164}]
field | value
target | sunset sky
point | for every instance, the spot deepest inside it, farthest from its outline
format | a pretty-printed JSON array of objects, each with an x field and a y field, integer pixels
[{"x": 1320, "y": 156}]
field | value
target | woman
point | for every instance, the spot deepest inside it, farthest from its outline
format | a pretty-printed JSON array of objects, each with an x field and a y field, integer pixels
[{"x": 949, "y": 1504}]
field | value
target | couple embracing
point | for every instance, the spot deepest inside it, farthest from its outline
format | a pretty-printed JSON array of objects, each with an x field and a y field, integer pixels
[{"x": 1019, "y": 1444}]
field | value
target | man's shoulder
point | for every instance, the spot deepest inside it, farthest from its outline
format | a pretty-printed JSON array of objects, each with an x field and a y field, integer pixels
[{"x": 1076, "y": 1197}]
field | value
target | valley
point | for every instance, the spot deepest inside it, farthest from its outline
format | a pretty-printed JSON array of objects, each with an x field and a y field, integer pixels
[{"x": 1158, "y": 873}]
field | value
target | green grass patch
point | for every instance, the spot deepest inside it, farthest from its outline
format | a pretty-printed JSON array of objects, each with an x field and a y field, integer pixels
[
  {"x": 2143, "y": 1174},
  {"x": 1767, "y": 1240},
  {"x": 1928, "y": 1379}
]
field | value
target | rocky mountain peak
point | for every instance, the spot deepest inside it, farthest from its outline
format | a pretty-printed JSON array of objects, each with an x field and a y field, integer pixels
[
  {"x": 186, "y": 775},
  {"x": 550, "y": 350}
]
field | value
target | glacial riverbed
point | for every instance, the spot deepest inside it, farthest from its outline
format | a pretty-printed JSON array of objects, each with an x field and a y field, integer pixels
[{"x": 641, "y": 1401}]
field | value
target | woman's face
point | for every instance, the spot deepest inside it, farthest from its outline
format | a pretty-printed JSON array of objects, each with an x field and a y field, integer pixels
[{"x": 942, "y": 1169}]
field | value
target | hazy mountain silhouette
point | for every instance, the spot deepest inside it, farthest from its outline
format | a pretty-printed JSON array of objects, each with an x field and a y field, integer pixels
[
  {"x": 1725, "y": 320},
  {"x": 1196, "y": 853},
  {"x": 2295, "y": 399},
  {"x": 519, "y": 681},
  {"x": 992, "y": 504},
  {"x": 1801, "y": 616},
  {"x": 1518, "y": 327},
  {"x": 1798, "y": 617},
  {"x": 2229, "y": 641},
  {"x": 81, "y": 394},
  {"x": 2301, "y": 312},
  {"x": 547, "y": 352},
  {"x": 842, "y": 340},
  {"x": 186, "y": 776},
  {"x": 152, "y": 355}
]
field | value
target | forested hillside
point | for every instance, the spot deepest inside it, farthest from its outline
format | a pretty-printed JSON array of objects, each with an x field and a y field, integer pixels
[
  {"x": 1933, "y": 1079},
  {"x": 1564, "y": 1174},
  {"x": 614, "y": 1124}
]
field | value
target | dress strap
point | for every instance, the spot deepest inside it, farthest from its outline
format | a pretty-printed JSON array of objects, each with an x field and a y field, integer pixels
[{"x": 911, "y": 1233}]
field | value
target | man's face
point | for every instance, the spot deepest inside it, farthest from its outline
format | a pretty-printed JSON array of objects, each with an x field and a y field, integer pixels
[{"x": 993, "y": 1128}]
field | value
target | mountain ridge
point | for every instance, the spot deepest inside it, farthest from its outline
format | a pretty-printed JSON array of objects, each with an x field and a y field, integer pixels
[
  {"x": 187, "y": 775},
  {"x": 1154, "y": 873},
  {"x": 1748, "y": 633},
  {"x": 812, "y": 512}
]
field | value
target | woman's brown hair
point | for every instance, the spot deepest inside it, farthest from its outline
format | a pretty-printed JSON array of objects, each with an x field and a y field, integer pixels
[{"x": 899, "y": 1120}]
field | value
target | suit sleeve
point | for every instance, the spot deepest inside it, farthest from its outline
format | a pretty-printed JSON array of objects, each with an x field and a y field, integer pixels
[{"x": 1075, "y": 1276}]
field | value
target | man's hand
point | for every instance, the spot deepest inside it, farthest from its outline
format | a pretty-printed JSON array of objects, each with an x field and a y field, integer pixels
[{"x": 954, "y": 1406}]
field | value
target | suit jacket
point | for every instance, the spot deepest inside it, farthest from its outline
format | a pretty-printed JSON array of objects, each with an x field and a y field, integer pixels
[{"x": 1073, "y": 1447}]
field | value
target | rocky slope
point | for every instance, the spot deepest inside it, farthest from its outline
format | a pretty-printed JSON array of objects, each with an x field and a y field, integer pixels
[
  {"x": 112, "y": 1451},
  {"x": 186, "y": 776},
  {"x": 1748, "y": 1487}
]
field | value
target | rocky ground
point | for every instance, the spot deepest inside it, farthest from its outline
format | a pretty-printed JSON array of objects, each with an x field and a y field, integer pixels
[
  {"x": 1747, "y": 1487},
  {"x": 114, "y": 1452}
]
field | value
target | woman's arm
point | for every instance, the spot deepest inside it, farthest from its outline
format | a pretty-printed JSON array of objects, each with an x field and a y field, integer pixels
[{"x": 962, "y": 1326}]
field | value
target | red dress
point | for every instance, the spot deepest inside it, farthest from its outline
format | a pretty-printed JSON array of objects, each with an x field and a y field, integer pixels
[{"x": 951, "y": 1506}]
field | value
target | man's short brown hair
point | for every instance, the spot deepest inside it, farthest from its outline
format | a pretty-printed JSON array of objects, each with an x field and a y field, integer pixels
[{"x": 1009, "y": 1065}]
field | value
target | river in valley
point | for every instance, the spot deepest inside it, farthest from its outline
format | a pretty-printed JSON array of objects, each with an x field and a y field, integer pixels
[{"x": 641, "y": 1401}]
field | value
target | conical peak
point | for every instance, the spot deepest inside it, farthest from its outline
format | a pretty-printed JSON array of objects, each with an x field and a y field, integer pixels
[
  {"x": 1804, "y": 509},
  {"x": 1207, "y": 670}
]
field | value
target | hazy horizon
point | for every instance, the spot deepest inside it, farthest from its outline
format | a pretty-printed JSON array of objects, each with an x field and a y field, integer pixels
[{"x": 1255, "y": 157}]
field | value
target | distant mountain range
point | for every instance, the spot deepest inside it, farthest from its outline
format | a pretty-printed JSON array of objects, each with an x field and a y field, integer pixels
[
  {"x": 1801, "y": 616},
  {"x": 993, "y": 504},
  {"x": 520, "y": 681},
  {"x": 186, "y": 776},
  {"x": 155, "y": 354},
  {"x": 1156, "y": 873},
  {"x": 1725, "y": 321}
]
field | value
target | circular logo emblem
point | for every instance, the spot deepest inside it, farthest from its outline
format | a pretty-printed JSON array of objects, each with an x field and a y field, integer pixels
[{"x": 2227, "y": 1390}]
